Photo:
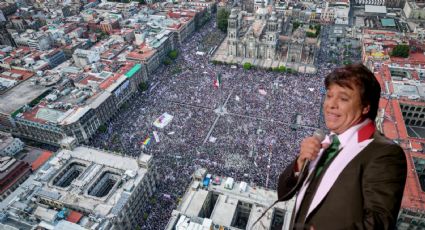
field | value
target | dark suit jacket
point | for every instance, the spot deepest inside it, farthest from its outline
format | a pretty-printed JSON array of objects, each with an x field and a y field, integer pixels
[{"x": 367, "y": 194}]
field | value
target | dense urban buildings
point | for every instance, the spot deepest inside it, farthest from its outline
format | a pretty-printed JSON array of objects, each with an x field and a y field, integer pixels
[
  {"x": 85, "y": 188},
  {"x": 216, "y": 202},
  {"x": 125, "y": 100}
]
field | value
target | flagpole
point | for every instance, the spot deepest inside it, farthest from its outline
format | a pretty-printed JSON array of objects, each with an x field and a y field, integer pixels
[{"x": 220, "y": 92}]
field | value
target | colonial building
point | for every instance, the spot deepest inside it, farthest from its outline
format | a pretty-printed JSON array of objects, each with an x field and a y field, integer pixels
[
  {"x": 264, "y": 40},
  {"x": 260, "y": 40}
]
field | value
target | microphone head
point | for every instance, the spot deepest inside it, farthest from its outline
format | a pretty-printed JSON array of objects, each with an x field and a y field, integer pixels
[{"x": 319, "y": 134}]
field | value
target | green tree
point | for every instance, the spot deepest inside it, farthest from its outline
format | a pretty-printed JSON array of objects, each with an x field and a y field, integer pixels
[
  {"x": 317, "y": 27},
  {"x": 173, "y": 54},
  {"x": 282, "y": 69},
  {"x": 222, "y": 18},
  {"x": 167, "y": 61},
  {"x": 311, "y": 34},
  {"x": 140, "y": 1},
  {"x": 145, "y": 216},
  {"x": 295, "y": 25},
  {"x": 102, "y": 128},
  {"x": 143, "y": 86},
  {"x": 401, "y": 51},
  {"x": 247, "y": 66}
]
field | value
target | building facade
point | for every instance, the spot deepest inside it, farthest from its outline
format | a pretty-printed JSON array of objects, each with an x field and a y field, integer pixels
[
  {"x": 9, "y": 146},
  {"x": 261, "y": 39},
  {"x": 12, "y": 173},
  {"x": 87, "y": 188},
  {"x": 215, "y": 202}
]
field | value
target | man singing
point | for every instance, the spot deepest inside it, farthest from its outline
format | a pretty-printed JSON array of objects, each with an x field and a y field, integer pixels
[{"x": 356, "y": 176}]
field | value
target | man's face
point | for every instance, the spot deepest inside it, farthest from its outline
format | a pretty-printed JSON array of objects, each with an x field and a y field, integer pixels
[{"x": 342, "y": 108}]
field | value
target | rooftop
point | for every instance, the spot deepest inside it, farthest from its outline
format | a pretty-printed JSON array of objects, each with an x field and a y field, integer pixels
[
  {"x": 394, "y": 127},
  {"x": 5, "y": 139},
  {"x": 375, "y": 9},
  {"x": 91, "y": 165},
  {"x": 225, "y": 205},
  {"x": 19, "y": 96}
]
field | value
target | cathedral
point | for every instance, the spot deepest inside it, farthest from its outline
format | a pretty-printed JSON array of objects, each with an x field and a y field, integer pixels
[
  {"x": 259, "y": 39},
  {"x": 266, "y": 40}
]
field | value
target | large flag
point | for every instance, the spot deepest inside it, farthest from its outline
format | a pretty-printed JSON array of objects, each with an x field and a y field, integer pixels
[{"x": 217, "y": 82}]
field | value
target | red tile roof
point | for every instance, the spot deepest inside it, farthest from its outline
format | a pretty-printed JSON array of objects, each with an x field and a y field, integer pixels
[
  {"x": 74, "y": 217},
  {"x": 414, "y": 58},
  {"x": 394, "y": 128},
  {"x": 41, "y": 160},
  {"x": 414, "y": 197}
]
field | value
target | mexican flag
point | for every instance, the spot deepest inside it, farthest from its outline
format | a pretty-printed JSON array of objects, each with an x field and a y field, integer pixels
[{"x": 217, "y": 82}]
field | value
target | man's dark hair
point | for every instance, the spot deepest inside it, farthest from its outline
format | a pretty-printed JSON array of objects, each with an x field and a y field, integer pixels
[{"x": 358, "y": 75}]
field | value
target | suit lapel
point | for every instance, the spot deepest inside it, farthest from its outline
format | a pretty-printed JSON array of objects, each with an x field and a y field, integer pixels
[
  {"x": 306, "y": 182},
  {"x": 356, "y": 143},
  {"x": 335, "y": 168}
]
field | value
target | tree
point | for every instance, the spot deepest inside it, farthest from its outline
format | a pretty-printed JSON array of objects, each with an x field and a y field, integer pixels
[
  {"x": 311, "y": 34},
  {"x": 167, "y": 61},
  {"x": 145, "y": 216},
  {"x": 102, "y": 128},
  {"x": 222, "y": 18},
  {"x": 282, "y": 69},
  {"x": 247, "y": 66},
  {"x": 143, "y": 86},
  {"x": 173, "y": 54},
  {"x": 317, "y": 27},
  {"x": 401, "y": 50},
  {"x": 295, "y": 25},
  {"x": 140, "y": 1}
]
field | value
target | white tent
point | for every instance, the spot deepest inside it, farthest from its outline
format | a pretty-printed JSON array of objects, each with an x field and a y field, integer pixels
[{"x": 229, "y": 183}]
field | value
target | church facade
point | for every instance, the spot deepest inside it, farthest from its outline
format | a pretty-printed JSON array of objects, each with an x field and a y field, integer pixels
[{"x": 266, "y": 40}]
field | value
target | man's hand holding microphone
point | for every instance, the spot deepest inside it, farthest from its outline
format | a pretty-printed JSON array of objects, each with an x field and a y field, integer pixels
[{"x": 310, "y": 148}]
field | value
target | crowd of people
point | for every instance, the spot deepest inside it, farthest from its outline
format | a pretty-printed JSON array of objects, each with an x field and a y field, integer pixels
[{"x": 252, "y": 140}]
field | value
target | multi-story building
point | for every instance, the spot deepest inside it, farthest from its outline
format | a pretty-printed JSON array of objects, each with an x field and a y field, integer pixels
[
  {"x": 54, "y": 57},
  {"x": 5, "y": 37},
  {"x": 146, "y": 55},
  {"x": 401, "y": 118},
  {"x": 85, "y": 57},
  {"x": 395, "y": 3},
  {"x": 16, "y": 98},
  {"x": 377, "y": 46},
  {"x": 413, "y": 10},
  {"x": 211, "y": 6},
  {"x": 8, "y": 8},
  {"x": 12, "y": 173},
  {"x": 77, "y": 110},
  {"x": 370, "y": 2},
  {"x": 10, "y": 146},
  {"x": 220, "y": 203},
  {"x": 33, "y": 39},
  {"x": 328, "y": 14},
  {"x": 185, "y": 27},
  {"x": 86, "y": 188},
  {"x": 401, "y": 114},
  {"x": 108, "y": 25}
]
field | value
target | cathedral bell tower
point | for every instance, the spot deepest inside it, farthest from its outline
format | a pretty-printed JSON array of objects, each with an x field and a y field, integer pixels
[
  {"x": 272, "y": 35},
  {"x": 232, "y": 33}
]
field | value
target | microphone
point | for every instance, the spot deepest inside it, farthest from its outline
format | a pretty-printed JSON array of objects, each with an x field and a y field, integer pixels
[{"x": 320, "y": 135}]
